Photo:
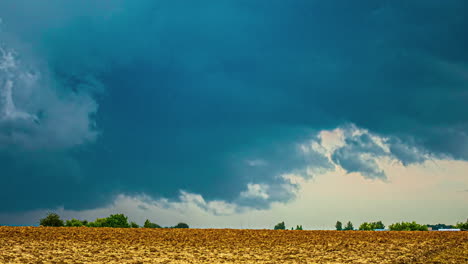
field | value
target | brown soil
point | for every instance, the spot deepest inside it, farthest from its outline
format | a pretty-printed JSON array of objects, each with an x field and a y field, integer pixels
[{"x": 108, "y": 245}]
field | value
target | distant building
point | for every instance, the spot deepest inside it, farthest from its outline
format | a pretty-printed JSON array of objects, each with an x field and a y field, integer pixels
[{"x": 440, "y": 226}]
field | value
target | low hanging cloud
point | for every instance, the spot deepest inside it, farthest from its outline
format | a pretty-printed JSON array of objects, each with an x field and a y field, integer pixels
[
  {"x": 359, "y": 150},
  {"x": 358, "y": 155}
]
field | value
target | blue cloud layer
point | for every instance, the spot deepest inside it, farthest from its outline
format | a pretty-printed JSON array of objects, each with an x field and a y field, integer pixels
[{"x": 190, "y": 91}]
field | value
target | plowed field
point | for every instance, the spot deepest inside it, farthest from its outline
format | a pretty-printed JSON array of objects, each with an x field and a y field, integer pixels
[{"x": 107, "y": 245}]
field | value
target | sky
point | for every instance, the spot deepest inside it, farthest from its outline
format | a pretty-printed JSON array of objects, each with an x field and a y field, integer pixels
[{"x": 234, "y": 113}]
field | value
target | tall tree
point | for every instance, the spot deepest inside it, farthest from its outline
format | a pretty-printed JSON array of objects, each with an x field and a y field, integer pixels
[
  {"x": 349, "y": 226},
  {"x": 339, "y": 226}
]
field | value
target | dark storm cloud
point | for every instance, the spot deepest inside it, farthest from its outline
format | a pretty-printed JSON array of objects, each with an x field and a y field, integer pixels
[
  {"x": 195, "y": 90},
  {"x": 407, "y": 153},
  {"x": 361, "y": 149},
  {"x": 358, "y": 155}
]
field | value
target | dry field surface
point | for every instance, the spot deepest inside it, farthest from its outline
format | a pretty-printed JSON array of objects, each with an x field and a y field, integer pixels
[{"x": 107, "y": 245}]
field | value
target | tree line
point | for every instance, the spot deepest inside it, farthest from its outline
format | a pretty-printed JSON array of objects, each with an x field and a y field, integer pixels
[
  {"x": 121, "y": 221},
  {"x": 114, "y": 220},
  {"x": 282, "y": 226},
  {"x": 402, "y": 226}
]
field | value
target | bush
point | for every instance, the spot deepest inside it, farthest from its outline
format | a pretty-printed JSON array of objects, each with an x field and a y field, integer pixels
[
  {"x": 75, "y": 223},
  {"x": 148, "y": 224},
  {"x": 407, "y": 226},
  {"x": 52, "y": 219},
  {"x": 299, "y": 227},
  {"x": 134, "y": 225},
  {"x": 280, "y": 226},
  {"x": 372, "y": 226},
  {"x": 181, "y": 225}
]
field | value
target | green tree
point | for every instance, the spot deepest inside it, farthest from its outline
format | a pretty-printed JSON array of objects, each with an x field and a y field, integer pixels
[
  {"x": 148, "y": 224},
  {"x": 349, "y": 226},
  {"x": 99, "y": 222},
  {"x": 339, "y": 226},
  {"x": 462, "y": 225},
  {"x": 378, "y": 225},
  {"x": 134, "y": 225},
  {"x": 365, "y": 226},
  {"x": 117, "y": 220},
  {"x": 75, "y": 223},
  {"x": 372, "y": 226},
  {"x": 181, "y": 225},
  {"x": 299, "y": 227},
  {"x": 280, "y": 226},
  {"x": 52, "y": 219},
  {"x": 407, "y": 226}
]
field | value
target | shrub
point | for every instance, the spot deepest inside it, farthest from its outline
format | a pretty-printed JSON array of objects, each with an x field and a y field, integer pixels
[
  {"x": 280, "y": 226},
  {"x": 52, "y": 219},
  {"x": 148, "y": 224},
  {"x": 75, "y": 223},
  {"x": 299, "y": 227},
  {"x": 181, "y": 225},
  {"x": 407, "y": 226},
  {"x": 134, "y": 225}
]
